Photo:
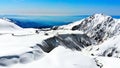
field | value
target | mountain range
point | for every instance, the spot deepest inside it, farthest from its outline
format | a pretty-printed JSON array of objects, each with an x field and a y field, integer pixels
[{"x": 92, "y": 42}]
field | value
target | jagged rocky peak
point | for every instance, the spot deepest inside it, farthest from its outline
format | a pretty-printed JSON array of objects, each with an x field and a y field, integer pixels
[
  {"x": 89, "y": 21},
  {"x": 98, "y": 26},
  {"x": 93, "y": 21}
]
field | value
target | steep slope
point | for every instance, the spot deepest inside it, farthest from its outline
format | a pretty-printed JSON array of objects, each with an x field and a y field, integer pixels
[
  {"x": 98, "y": 27},
  {"x": 107, "y": 54},
  {"x": 71, "y": 41},
  {"x": 62, "y": 47},
  {"x": 110, "y": 48}
]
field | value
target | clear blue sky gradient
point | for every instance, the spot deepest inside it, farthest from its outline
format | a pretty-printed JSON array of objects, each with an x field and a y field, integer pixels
[{"x": 59, "y": 7}]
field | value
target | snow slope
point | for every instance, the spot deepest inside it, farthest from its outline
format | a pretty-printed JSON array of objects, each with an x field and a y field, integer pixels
[
  {"x": 92, "y": 42},
  {"x": 110, "y": 48},
  {"x": 61, "y": 57},
  {"x": 8, "y": 26},
  {"x": 98, "y": 27},
  {"x": 20, "y": 46},
  {"x": 109, "y": 62}
]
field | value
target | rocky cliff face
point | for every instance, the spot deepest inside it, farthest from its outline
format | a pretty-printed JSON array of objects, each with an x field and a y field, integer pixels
[
  {"x": 97, "y": 35},
  {"x": 98, "y": 27},
  {"x": 71, "y": 41}
]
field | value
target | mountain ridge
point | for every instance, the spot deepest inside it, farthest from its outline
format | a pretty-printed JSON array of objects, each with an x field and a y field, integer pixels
[{"x": 95, "y": 37}]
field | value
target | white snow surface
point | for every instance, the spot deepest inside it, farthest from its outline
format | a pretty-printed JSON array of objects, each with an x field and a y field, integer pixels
[
  {"x": 8, "y": 26},
  {"x": 109, "y": 62},
  {"x": 105, "y": 48},
  {"x": 15, "y": 40},
  {"x": 61, "y": 57}
]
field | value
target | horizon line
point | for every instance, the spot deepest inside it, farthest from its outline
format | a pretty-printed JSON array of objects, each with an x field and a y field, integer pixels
[{"x": 56, "y": 14}]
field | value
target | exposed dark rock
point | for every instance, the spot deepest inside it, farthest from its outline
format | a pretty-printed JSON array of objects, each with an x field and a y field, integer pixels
[
  {"x": 100, "y": 31},
  {"x": 109, "y": 52},
  {"x": 54, "y": 28},
  {"x": 72, "y": 41}
]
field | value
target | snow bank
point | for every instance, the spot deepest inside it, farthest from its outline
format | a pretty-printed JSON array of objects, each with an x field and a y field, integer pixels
[{"x": 61, "y": 57}]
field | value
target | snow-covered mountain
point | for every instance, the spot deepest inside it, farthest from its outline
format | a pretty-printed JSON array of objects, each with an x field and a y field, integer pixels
[
  {"x": 98, "y": 27},
  {"x": 20, "y": 46},
  {"x": 6, "y": 25},
  {"x": 92, "y": 40}
]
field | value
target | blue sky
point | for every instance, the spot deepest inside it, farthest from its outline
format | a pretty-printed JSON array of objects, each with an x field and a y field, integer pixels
[{"x": 59, "y": 7}]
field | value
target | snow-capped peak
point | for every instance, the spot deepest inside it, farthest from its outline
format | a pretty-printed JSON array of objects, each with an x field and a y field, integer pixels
[
  {"x": 98, "y": 26},
  {"x": 24, "y": 48},
  {"x": 93, "y": 20}
]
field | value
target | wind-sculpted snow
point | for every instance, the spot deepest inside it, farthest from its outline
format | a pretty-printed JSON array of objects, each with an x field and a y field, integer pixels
[
  {"x": 22, "y": 48},
  {"x": 21, "y": 58},
  {"x": 82, "y": 44},
  {"x": 61, "y": 57},
  {"x": 71, "y": 41}
]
